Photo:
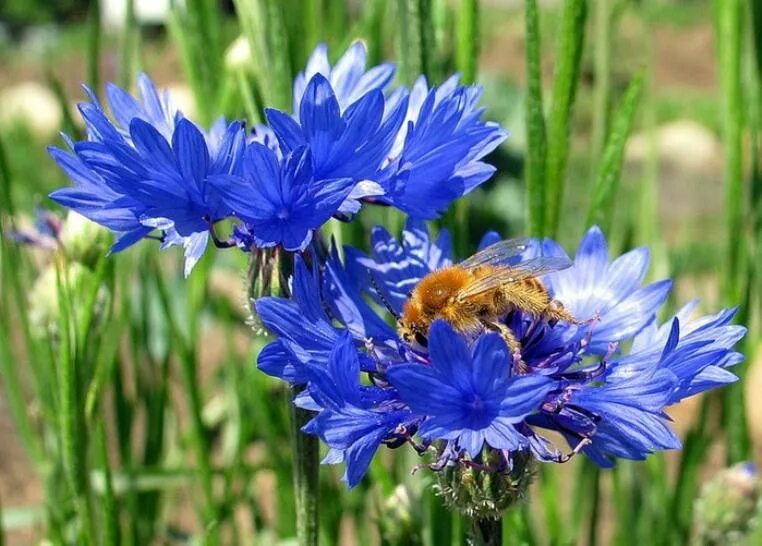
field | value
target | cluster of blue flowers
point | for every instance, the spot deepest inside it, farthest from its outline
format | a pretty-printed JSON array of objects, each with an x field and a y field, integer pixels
[
  {"x": 603, "y": 384},
  {"x": 151, "y": 172}
]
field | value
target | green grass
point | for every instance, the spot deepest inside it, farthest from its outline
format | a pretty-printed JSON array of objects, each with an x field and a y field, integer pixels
[{"x": 138, "y": 388}]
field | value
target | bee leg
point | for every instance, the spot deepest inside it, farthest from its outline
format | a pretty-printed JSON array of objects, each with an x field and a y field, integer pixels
[
  {"x": 556, "y": 311},
  {"x": 514, "y": 345}
]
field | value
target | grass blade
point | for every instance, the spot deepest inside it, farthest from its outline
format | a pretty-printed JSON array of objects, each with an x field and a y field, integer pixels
[
  {"x": 565, "y": 81},
  {"x": 535, "y": 124},
  {"x": 467, "y": 52},
  {"x": 729, "y": 32},
  {"x": 129, "y": 46},
  {"x": 415, "y": 39},
  {"x": 728, "y": 14},
  {"x": 111, "y": 533},
  {"x": 280, "y": 63},
  {"x": 607, "y": 180},
  {"x": 94, "y": 46},
  {"x": 188, "y": 370},
  {"x": 603, "y": 22}
]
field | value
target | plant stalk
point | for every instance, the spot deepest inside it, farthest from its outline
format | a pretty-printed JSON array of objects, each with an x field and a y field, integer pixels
[
  {"x": 485, "y": 532},
  {"x": 306, "y": 483}
]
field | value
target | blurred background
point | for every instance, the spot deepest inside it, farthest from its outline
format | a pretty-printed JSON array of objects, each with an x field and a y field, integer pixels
[{"x": 177, "y": 427}]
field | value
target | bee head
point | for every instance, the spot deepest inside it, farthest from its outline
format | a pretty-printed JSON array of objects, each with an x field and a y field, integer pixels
[{"x": 412, "y": 334}]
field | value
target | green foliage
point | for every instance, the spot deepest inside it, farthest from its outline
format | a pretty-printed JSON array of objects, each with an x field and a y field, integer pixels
[
  {"x": 564, "y": 91},
  {"x": 105, "y": 366},
  {"x": 536, "y": 160},
  {"x": 604, "y": 190}
]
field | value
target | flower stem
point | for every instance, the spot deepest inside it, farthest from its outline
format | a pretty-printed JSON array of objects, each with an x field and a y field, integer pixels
[
  {"x": 485, "y": 532},
  {"x": 305, "y": 475}
]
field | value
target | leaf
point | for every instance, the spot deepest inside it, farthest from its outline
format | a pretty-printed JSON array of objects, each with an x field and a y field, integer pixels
[
  {"x": 565, "y": 82},
  {"x": 535, "y": 123},
  {"x": 608, "y": 177}
]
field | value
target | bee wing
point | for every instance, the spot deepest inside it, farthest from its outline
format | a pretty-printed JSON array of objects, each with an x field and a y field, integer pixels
[
  {"x": 533, "y": 267},
  {"x": 499, "y": 253}
]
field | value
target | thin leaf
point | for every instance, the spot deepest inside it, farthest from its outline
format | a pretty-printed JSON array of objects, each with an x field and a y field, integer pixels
[
  {"x": 535, "y": 123},
  {"x": 607, "y": 181},
  {"x": 565, "y": 82},
  {"x": 415, "y": 39},
  {"x": 111, "y": 532},
  {"x": 467, "y": 35},
  {"x": 92, "y": 61},
  {"x": 730, "y": 34}
]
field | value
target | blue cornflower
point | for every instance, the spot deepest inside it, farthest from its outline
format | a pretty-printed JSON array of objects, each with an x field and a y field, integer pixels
[
  {"x": 417, "y": 151},
  {"x": 344, "y": 144},
  {"x": 469, "y": 395},
  {"x": 352, "y": 419},
  {"x": 396, "y": 267},
  {"x": 282, "y": 203},
  {"x": 436, "y": 157},
  {"x": 305, "y": 334},
  {"x": 153, "y": 107},
  {"x": 463, "y": 397},
  {"x": 131, "y": 178},
  {"x": 609, "y": 291},
  {"x": 697, "y": 352},
  {"x": 347, "y": 77}
]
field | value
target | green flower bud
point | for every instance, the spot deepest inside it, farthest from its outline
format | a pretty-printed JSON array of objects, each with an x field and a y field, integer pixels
[
  {"x": 238, "y": 55},
  {"x": 44, "y": 309},
  {"x": 726, "y": 508},
  {"x": 83, "y": 241},
  {"x": 400, "y": 519},
  {"x": 478, "y": 491}
]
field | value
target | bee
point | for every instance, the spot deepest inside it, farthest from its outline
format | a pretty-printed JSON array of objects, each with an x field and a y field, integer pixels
[{"x": 475, "y": 294}]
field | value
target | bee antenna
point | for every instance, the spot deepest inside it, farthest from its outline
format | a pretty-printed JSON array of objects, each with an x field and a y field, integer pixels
[{"x": 381, "y": 296}]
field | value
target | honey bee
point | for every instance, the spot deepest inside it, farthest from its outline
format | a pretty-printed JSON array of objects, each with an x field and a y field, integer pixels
[{"x": 476, "y": 293}]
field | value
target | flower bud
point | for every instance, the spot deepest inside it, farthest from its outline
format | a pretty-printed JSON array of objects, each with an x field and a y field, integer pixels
[
  {"x": 238, "y": 55},
  {"x": 400, "y": 519},
  {"x": 44, "y": 309},
  {"x": 83, "y": 241},
  {"x": 480, "y": 490},
  {"x": 727, "y": 507}
]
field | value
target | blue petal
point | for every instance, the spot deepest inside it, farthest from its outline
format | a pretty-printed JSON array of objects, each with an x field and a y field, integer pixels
[{"x": 192, "y": 154}]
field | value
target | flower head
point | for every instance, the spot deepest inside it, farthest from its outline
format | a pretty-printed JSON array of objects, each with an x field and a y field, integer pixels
[
  {"x": 282, "y": 203},
  {"x": 353, "y": 419},
  {"x": 348, "y": 143},
  {"x": 469, "y": 394},
  {"x": 477, "y": 404},
  {"x": 436, "y": 157},
  {"x": 132, "y": 179},
  {"x": 347, "y": 77}
]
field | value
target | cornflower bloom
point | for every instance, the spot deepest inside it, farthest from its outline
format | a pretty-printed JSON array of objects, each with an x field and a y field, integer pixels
[
  {"x": 148, "y": 172},
  {"x": 475, "y": 406},
  {"x": 417, "y": 150}
]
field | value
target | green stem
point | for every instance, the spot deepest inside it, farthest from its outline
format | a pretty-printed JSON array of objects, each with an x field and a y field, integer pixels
[
  {"x": 485, "y": 532},
  {"x": 306, "y": 483},
  {"x": 730, "y": 32},
  {"x": 467, "y": 53},
  {"x": 603, "y": 22},
  {"x": 94, "y": 46},
  {"x": 71, "y": 427},
  {"x": 415, "y": 39},
  {"x": 191, "y": 386},
  {"x": 537, "y": 145},
  {"x": 565, "y": 81}
]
